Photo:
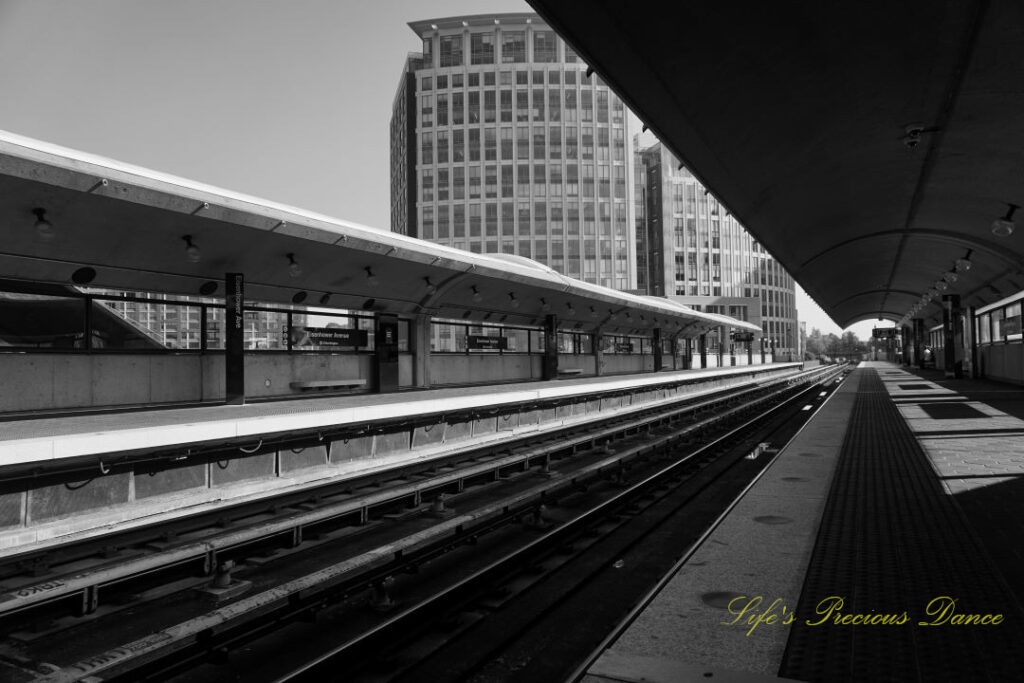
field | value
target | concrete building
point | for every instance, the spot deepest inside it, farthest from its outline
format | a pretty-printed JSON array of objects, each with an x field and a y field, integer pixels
[
  {"x": 502, "y": 143},
  {"x": 691, "y": 250}
]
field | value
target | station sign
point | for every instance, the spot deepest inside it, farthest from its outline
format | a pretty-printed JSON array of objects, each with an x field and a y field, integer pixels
[
  {"x": 624, "y": 347},
  {"x": 885, "y": 332},
  {"x": 328, "y": 336},
  {"x": 480, "y": 341},
  {"x": 1011, "y": 325},
  {"x": 743, "y": 336}
]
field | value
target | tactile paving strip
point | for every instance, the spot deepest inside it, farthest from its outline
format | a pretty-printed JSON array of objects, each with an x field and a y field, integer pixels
[{"x": 892, "y": 540}]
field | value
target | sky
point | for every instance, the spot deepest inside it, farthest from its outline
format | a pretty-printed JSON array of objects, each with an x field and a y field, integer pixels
[{"x": 286, "y": 100}]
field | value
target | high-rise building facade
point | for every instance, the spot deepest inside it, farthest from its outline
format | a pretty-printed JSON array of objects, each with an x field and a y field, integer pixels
[
  {"x": 694, "y": 252},
  {"x": 509, "y": 146}
]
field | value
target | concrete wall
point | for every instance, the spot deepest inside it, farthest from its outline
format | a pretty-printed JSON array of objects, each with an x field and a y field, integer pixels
[
  {"x": 586, "y": 363},
  {"x": 999, "y": 362},
  {"x": 615, "y": 364},
  {"x": 459, "y": 368},
  {"x": 44, "y": 381},
  {"x": 49, "y": 380}
]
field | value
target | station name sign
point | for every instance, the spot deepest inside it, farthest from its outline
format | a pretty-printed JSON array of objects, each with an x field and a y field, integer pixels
[
  {"x": 328, "y": 336},
  {"x": 743, "y": 336},
  {"x": 885, "y": 332},
  {"x": 479, "y": 341}
]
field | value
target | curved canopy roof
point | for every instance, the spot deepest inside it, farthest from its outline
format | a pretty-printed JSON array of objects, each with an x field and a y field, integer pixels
[
  {"x": 869, "y": 146},
  {"x": 127, "y": 226}
]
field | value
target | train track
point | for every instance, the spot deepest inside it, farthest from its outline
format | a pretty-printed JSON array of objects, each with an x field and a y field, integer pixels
[
  {"x": 538, "y": 612},
  {"x": 492, "y": 490}
]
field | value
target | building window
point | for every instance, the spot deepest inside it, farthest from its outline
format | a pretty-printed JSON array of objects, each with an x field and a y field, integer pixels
[
  {"x": 474, "y": 106},
  {"x": 587, "y": 105},
  {"x": 427, "y": 148},
  {"x": 523, "y": 142},
  {"x": 539, "y": 183},
  {"x": 474, "y": 144},
  {"x": 442, "y": 147},
  {"x": 459, "y": 220},
  {"x": 458, "y": 182},
  {"x": 522, "y": 105},
  {"x": 458, "y": 145},
  {"x": 555, "y": 142},
  {"x": 458, "y": 108},
  {"x": 506, "y": 143},
  {"x": 474, "y": 182},
  {"x": 442, "y": 222},
  {"x": 428, "y": 51},
  {"x": 442, "y": 110},
  {"x": 427, "y": 111},
  {"x": 451, "y": 51},
  {"x": 490, "y": 106},
  {"x": 428, "y": 185},
  {"x": 506, "y": 106},
  {"x": 491, "y": 182},
  {"x": 482, "y": 48},
  {"x": 490, "y": 145},
  {"x": 442, "y": 186},
  {"x": 523, "y": 184},
  {"x": 554, "y": 105},
  {"x": 571, "y": 143},
  {"x": 513, "y": 47},
  {"x": 570, "y": 55},
  {"x": 507, "y": 181},
  {"x": 491, "y": 214},
  {"x": 474, "y": 218},
  {"x": 544, "y": 49}
]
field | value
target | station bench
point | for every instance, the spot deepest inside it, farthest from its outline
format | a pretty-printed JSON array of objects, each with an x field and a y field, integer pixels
[{"x": 328, "y": 384}]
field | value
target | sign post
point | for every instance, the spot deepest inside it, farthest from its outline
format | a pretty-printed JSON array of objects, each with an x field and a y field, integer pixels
[{"x": 234, "y": 339}]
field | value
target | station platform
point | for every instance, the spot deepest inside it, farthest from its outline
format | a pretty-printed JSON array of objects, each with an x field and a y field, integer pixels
[
  {"x": 882, "y": 544},
  {"x": 72, "y": 478}
]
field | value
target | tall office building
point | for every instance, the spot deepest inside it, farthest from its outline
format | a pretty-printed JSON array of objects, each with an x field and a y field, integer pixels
[
  {"x": 694, "y": 252},
  {"x": 501, "y": 143}
]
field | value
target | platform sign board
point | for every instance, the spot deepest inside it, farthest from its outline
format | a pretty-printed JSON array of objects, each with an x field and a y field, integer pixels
[
  {"x": 328, "y": 336},
  {"x": 624, "y": 347},
  {"x": 885, "y": 332},
  {"x": 479, "y": 341},
  {"x": 743, "y": 336},
  {"x": 1011, "y": 325}
]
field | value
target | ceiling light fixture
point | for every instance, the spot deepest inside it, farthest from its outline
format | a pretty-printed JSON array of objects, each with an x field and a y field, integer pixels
[
  {"x": 294, "y": 269},
  {"x": 512, "y": 300},
  {"x": 1003, "y": 227},
  {"x": 544, "y": 305},
  {"x": 941, "y": 285},
  {"x": 431, "y": 287},
  {"x": 192, "y": 252},
  {"x": 571, "y": 310},
  {"x": 44, "y": 228},
  {"x": 477, "y": 297}
]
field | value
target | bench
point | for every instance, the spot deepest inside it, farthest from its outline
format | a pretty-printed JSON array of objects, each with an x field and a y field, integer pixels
[
  {"x": 570, "y": 371},
  {"x": 327, "y": 384}
]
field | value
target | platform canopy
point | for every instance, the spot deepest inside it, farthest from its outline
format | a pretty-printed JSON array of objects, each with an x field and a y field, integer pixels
[
  {"x": 71, "y": 218},
  {"x": 870, "y": 146}
]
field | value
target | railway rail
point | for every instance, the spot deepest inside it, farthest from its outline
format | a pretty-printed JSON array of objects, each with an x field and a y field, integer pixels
[{"x": 353, "y": 515}]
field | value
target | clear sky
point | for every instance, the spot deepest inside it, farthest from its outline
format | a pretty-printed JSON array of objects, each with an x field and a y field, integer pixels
[{"x": 288, "y": 100}]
